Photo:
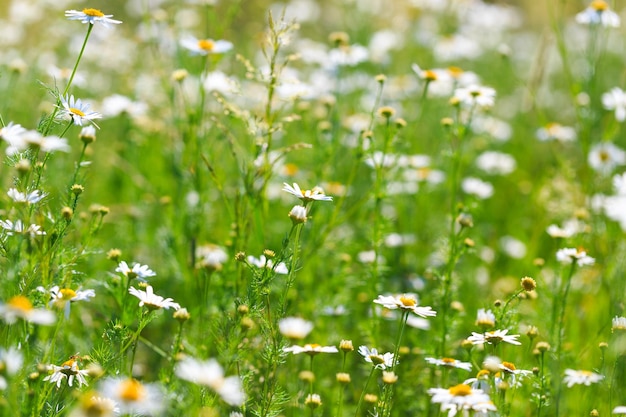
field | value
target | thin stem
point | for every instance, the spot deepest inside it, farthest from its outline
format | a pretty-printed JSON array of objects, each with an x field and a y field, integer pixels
[{"x": 369, "y": 378}]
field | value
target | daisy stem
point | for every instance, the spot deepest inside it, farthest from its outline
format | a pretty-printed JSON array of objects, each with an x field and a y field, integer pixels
[
  {"x": 559, "y": 336},
  {"x": 176, "y": 349},
  {"x": 80, "y": 55},
  {"x": 369, "y": 378}
]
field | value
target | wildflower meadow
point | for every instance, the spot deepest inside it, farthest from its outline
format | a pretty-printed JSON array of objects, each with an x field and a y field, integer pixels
[{"x": 312, "y": 208}]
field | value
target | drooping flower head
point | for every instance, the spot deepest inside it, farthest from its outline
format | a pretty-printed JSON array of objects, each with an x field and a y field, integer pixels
[
  {"x": 133, "y": 397},
  {"x": 380, "y": 361},
  {"x": 69, "y": 371},
  {"x": 154, "y": 302},
  {"x": 20, "y": 307},
  {"x": 598, "y": 13}
]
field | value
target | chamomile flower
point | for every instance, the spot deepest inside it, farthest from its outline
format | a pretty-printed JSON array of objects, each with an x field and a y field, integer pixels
[
  {"x": 68, "y": 370},
  {"x": 77, "y": 111},
  {"x": 205, "y": 46},
  {"x": 485, "y": 318},
  {"x": 621, "y": 409},
  {"x": 28, "y": 198},
  {"x": 605, "y": 157},
  {"x": 449, "y": 363},
  {"x": 316, "y": 194},
  {"x": 11, "y": 132},
  {"x": 615, "y": 99},
  {"x": 598, "y": 13},
  {"x": 556, "y": 131},
  {"x": 92, "y": 16},
  {"x": 380, "y": 361},
  {"x": 20, "y": 307},
  {"x": 405, "y": 302},
  {"x": 63, "y": 297},
  {"x": 11, "y": 362},
  {"x": 92, "y": 404},
  {"x": 141, "y": 272},
  {"x": 459, "y": 397},
  {"x": 477, "y": 187},
  {"x": 574, "y": 377},
  {"x": 294, "y": 328},
  {"x": 209, "y": 373},
  {"x": 31, "y": 139},
  {"x": 310, "y": 349},
  {"x": 211, "y": 257},
  {"x": 571, "y": 255},
  {"x": 514, "y": 375},
  {"x": 475, "y": 95},
  {"x": 154, "y": 302},
  {"x": 494, "y": 337},
  {"x": 263, "y": 262},
  {"x": 17, "y": 227},
  {"x": 132, "y": 397},
  {"x": 618, "y": 323}
]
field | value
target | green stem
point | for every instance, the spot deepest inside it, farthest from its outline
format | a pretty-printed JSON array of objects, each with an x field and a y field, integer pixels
[{"x": 369, "y": 378}]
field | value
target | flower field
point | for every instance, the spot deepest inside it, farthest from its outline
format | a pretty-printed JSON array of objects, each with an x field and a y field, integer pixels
[{"x": 320, "y": 208}]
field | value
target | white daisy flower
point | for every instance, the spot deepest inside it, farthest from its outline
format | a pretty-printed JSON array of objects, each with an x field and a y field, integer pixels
[
  {"x": 514, "y": 375},
  {"x": 615, "y": 100},
  {"x": 209, "y": 373},
  {"x": 598, "y": 13},
  {"x": 621, "y": 409},
  {"x": 205, "y": 46},
  {"x": 618, "y": 323},
  {"x": 405, "y": 302},
  {"x": 449, "y": 363},
  {"x": 556, "y": 131},
  {"x": 574, "y": 377},
  {"x": 310, "y": 349},
  {"x": 211, "y": 257},
  {"x": 477, "y": 187},
  {"x": 460, "y": 397},
  {"x": 35, "y": 140},
  {"x": 68, "y": 370},
  {"x": 30, "y": 198},
  {"x": 494, "y": 337},
  {"x": 11, "y": 132},
  {"x": 77, "y": 111},
  {"x": 316, "y": 194},
  {"x": 92, "y": 16},
  {"x": 11, "y": 362},
  {"x": 294, "y": 328},
  {"x": 570, "y": 255},
  {"x": 380, "y": 361},
  {"x": 604, "y": 157},
  {"x": 263, "y": 262},
  {"x": 63, "y": 297},
  {"x": 134, "y": 398},
  {"x": 20, "y": 307},
  {"x": 485, "y": 318},
  {"x": 475, "y": 95},
  {"x": 154, "y": 302},
  {"x": 141, "y": 272},
  {"x": 18, "y": 228}
]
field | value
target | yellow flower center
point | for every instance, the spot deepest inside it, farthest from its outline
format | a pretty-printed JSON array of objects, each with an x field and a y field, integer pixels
[
  {"x": 509, "y": 366},
  {"x": 67, "y": 293},
  {"x": 93, "y": 12},
  {"x": 483, "y": 373},
  {"x": 586, "y": 373},
  {"x": 430, "y": 75},
  {"x": 460, "y": 390},
  {"x": 19, "y": 302},
  {"x": 448, "y": 361},
  {"x": 206, "y": 44},
  {"x": 455, "y": 71},
  {"x": 312, "y": 346},
  {"x": 377, "y": 359},
  {"x": 408, "y": 301},
  {"x": 77, "y": 112},
  {"x": 599, "y": 5},
  {"x": 132, "y": 390}
]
